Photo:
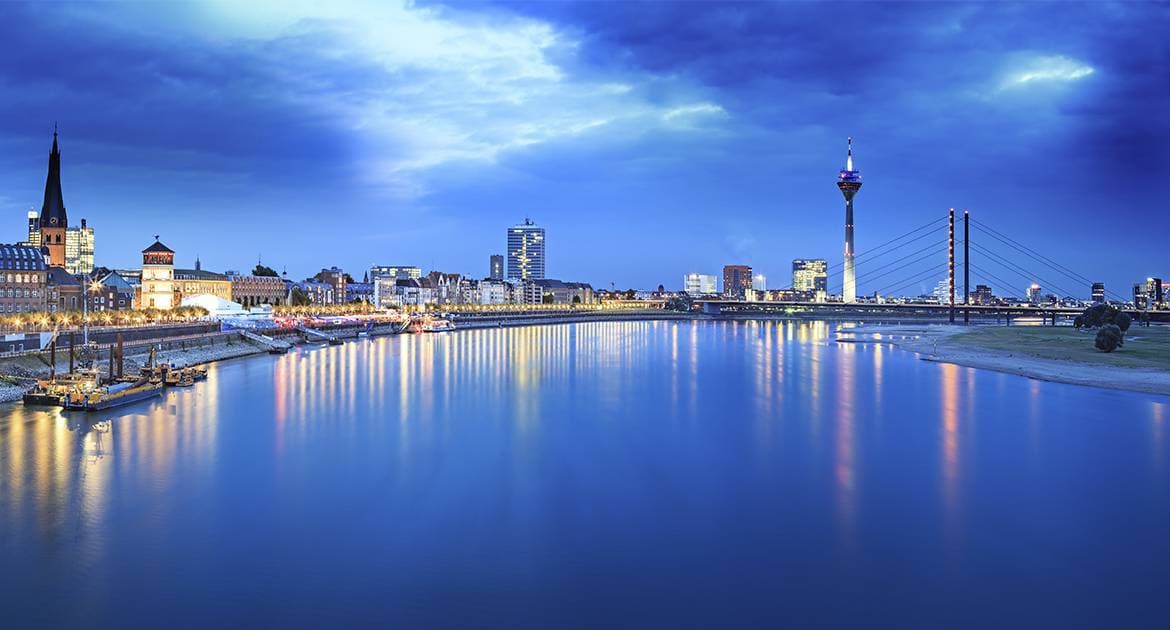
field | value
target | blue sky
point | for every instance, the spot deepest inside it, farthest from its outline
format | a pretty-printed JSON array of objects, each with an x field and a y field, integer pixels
[{"x": 649, "y": 139}]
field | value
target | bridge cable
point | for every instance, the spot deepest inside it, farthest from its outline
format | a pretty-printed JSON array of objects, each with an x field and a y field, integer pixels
[
  {"x": 906, "y": 282},
  {"x": 1038, "y": 257},
  {"x": 873, "y": 250},
  {"x": 1031, "y": 277},
  {"x": 869, "y": 272},
  {"x": 933, "y": 268},
  {"x": 996, "y": 278}
]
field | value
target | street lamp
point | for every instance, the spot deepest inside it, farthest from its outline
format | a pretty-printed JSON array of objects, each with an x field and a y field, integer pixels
[{"x": 89, "y": 287}]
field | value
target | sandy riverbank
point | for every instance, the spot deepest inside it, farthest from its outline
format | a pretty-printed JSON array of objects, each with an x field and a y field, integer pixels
[{"x": 1061, "y": 356}]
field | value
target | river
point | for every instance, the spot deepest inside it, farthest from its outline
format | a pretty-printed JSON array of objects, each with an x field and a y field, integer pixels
[{"x": 629, "y": 474}]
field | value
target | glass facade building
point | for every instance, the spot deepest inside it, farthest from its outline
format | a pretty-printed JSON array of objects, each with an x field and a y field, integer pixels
[
  {"x": 79, "y": 249},
  {"x": 699, "y": 284},
  {"x": 810, "y": 275},
  {"x": 526, "y": 252}
]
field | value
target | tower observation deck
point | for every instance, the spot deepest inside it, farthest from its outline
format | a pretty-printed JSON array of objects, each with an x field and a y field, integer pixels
[{"x": 849, "y": 181}]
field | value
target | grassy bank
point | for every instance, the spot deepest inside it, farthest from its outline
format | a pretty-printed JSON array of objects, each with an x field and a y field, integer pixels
[{"x": 1146, "y": 348}]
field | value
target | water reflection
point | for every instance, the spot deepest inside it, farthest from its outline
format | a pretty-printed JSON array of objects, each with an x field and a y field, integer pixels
[{"x": 554, "y": 451}]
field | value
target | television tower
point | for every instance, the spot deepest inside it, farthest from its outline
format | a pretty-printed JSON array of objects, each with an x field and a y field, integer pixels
[{"x": 849, "y": 181}]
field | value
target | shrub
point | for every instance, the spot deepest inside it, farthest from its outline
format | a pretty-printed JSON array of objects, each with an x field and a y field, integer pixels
[
  {"x": 1108, "y": 338},
  {"x": 1079, "y": 322}
]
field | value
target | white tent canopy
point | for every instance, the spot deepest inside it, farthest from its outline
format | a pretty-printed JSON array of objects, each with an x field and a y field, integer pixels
[{"x": 215, "y": 306}]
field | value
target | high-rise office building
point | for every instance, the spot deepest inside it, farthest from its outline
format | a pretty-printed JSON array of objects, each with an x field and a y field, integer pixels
[
  {"x": 1098, "y": 292},
  {"x": 526, "y": 251},
  {"x": 1154, "y": 293},
  {"x": 737, "y": 281},
  {"x": 699, "y": 284},
  {"x": 79, "y": 249},
  {"x": 496, "y": 267},
  {"x": 1139, "y": 295},
  {"x": 1034, "y": 293},
  {"x": 849, "y": 181},
  {"x": 34, "y": 228},
  {"x": 810, "y": 275}
]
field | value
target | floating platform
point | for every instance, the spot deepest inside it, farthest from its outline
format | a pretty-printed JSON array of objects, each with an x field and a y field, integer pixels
[{"x": 109, "y": 396}]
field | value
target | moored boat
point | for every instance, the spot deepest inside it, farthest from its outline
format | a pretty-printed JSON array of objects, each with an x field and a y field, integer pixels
[
  {"x": 113, "y": 395},
  {"x": 51, "y": 392}
]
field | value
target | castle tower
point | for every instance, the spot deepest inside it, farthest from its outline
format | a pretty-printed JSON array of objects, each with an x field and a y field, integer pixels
[
  {"x": 849, "y": 181},
  {"x": 157, "y": 289},
  {"x": 53, "y": 220}
]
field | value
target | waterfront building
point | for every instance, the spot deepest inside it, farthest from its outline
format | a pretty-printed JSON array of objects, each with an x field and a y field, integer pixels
[
  {"x": 527, "y": 293},
  {"x": 359, "y": 292},
  {"x": 496, "y": 267},
  {"x": 493, "y": 291},
  {"x": 251, "y": 291},
  {"x": 849, "y": 181},
  {"x": 65, "y": 290},
  {"x": 334, "y": 277},
  {"x": 394, "y": 272},
  {"x": 560, "y": 292},
  {"x": 314, "y": 292},
  {"x": 53, "y": 219},
  {"x": 23, "y": 279},
  {"x": 34, "y": 229},
  {"x": 810, "y": 276},
  {"x": 109, "y": 291},
  {"x": 79, "y": 249},
  {"x": 192, "y": 282},
  {"x": 156, "y": 288},
  {"x": 699, "y": 284},
  {"x": 737, "y": 281},
  {"x": 445, "y": 287},
  {"x": 1098, "y": 292},
  {"x": 526, "y": 252},
  {"x": 1033, "y": 294}
]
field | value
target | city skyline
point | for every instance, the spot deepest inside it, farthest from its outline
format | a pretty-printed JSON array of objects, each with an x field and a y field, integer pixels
[{"x": 693, "y": 190}]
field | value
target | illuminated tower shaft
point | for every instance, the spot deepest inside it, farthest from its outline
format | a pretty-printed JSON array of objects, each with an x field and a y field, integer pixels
[{"x": 849, "y": 181}]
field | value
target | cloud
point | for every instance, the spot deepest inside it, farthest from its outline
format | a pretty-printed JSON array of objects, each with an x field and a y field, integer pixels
[{"x": 1050, "y": 68}]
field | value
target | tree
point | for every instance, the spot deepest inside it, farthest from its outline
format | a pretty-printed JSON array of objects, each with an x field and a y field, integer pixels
[
  {"x": 348, "y": 278},
  {"x": 1109, "y": 338},
  {"x": 681, "y": 302},
  {"x": 576, "y": 299},
  {"x": 1079, "y": 322},
  {"x": 261, "y": 270},
  {"x": 1122, "y": 321},
  {"x": 300, "y": 298}
]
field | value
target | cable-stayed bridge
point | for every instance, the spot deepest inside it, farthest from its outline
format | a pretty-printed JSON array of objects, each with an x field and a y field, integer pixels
[{"x": 942, "y": 262}]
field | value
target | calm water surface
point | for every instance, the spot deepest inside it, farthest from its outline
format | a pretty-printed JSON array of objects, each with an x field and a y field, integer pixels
[{"x": 611, "y": 474}]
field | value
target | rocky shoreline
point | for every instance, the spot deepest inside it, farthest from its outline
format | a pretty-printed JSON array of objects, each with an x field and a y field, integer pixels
[{"x": 944, "y": 343}]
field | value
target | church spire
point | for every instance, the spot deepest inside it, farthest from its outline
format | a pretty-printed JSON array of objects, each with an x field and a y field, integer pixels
[{"x": 53, "y": 211}]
